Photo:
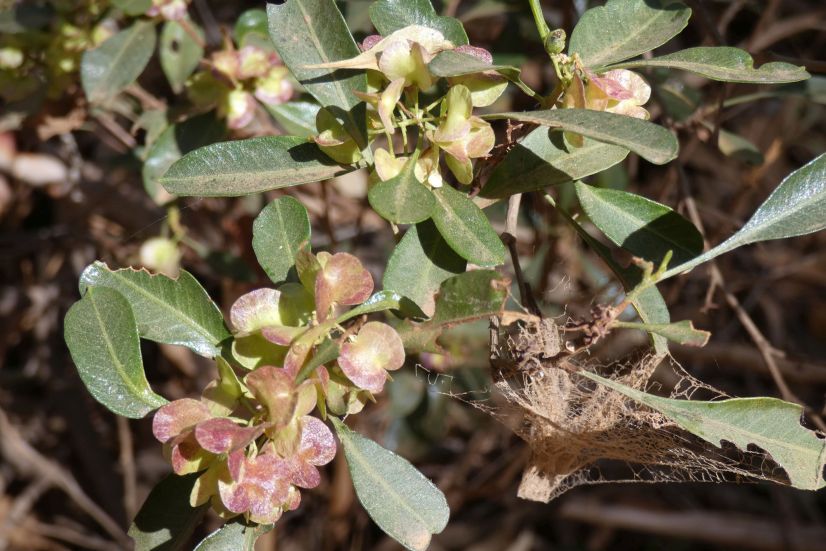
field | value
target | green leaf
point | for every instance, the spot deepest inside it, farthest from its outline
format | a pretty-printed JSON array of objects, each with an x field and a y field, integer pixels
[
  {"x": 737, "y": 147},
  {"x": 403, "y": 199},
  {"x": 174, "y": 142},
  {"x": 382, "y": 301},
  {"x": 179, "y": 53},
  {"x": 641, "y": 226},
  {"x": 399, "y": 499},
  {"x": 132, "y": 7},
  {"x": 451, "y": 63},
  {"x": 171, "y": 311},
  {"x": 389, "y": 16},
  {"x": 464, "y": 298},
  {"x": 652, "y": 142},
  {"x": 768, "y": 423},
  {"x": 296, "y": 117},
  {"x": 102, "y": 337},
  {"x": 466, "y": 228},
  {"x": 311, "y": 32},
  {"x": 280, "y": 230},
  {"x": 796, "y": 207},
  {"x": 723, "y": 63},
  {"x": 681, "y": 332},
  {"x": 117, "y": 62},
  {"x": 166, "y": 520},
  {"x": 242, "y": 167},
  {"x": 542, "y": 159},
  {"x": 234, "y": 536},
  {"x": 251, "y": 22},
  {"x": 420, "y": 263},
  {"x": 622, "y": 29}
]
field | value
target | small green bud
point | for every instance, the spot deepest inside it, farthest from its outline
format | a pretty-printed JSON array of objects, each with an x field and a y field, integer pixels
[{"x": 555, "y": 42}]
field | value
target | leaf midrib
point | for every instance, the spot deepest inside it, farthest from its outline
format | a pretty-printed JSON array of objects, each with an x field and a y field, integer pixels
[
  {"x": 107, "y": 74},
  {"x": 451, "y": 214},
  {"x": 120, "y": 368}
]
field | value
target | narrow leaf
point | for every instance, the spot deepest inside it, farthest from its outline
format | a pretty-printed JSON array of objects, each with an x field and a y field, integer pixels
[
  {"x": 464, "y": 298},
  {"x": 172, "y": 311},
  {"x": 451, "y": 63},
  {"x": 681, "y": 332},
  {"x": 179, "y": 53},
  {"x": 768, "y": 423},
  {"x": 541, "y": 159},
  {"x": 420, "y": 263},
  {"x": 391, "y": 15},
  {"x": 622, "y": 29},
  {"x": 249, "y": 166},
  {"x": 102, "y": 337},
  {"x": 796, "y": 207},
  {"x": 399, "y": 499},
  {"x": 403, "y": 199},
  {"x": 166, "y": 520},
  {"x": 466, "y": 228},
  {"x": 278, "y": 233},
  {"x": 381, "y": 302},
  {"x": 311, "y": 32},
  {"x": 174, "y": 142},
  {"x": 117, "y": 62},
  {"x": 641, "y": 226},
  {"x": 234, "y": 536},
  {"x": 723, "y": 63},
  {"x": 652, "y": 142}
]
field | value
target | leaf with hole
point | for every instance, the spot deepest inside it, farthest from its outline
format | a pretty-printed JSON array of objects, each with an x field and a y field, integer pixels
[
  {"x": 117, "y": 62},
  {"x": 622, "y": 29},
  {"x": 102, "y": 337},
  {"x": 399, "y": 499},
  {"x": 768, "y": 423},
  {"x": 650, "y": 141},
  {"x": 722, "y": 63},
  {"x": 389, "y": 16},
  {"x": 466, "y": 228},
  {"x": 179, "y": 53},
  {"x": 172, "y": 311},
  {"x": 166, "y": 520},
  {"x": 280, "y": 230},
  {"x": 230, "y": 169},
  {"x": 796, "y": 207},
  {"x": 403, "y": 199},
  {"x": 420, "y": 263},
  {"x": 641, "y": 226},
  {"x": 311, "y": 32},
  {"x": 542, "y": 159}
]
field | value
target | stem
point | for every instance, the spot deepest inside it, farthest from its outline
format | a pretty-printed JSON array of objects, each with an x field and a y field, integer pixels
[
  {"x": 193, "y": 34},
  {"x": 539, "y": 19}
]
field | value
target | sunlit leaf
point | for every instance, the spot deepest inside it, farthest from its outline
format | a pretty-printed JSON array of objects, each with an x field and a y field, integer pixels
[
  {"x": 383, "y": 301},
  {"x": 451, "y": 63},
  {"x": 622, "y": 29},
  {"x": 399, "y": 499},
  {"x": 279, "y": 231},
  {"x": 542, "y": 159},
  {"x": 768, "y": 423},
  {"x": 242, "y": 167},
  {"x": 650, "y": 141},
  {"x": 296, "y": 117},
  {"x": 466, "y": 228},
  {"x": 389, "y": 16},
  {"x": 102, "y": 337},
  {"x": 173, "y": 311},
  {"x": 723, "y": 63},
  {"x": 681, "y": 332},
  {"x": 641, "y": 226},
  {"x": 311, "y": 32},
  {"x": 342, "y": 280},
  {"x": 796, "y": 207},
  {"x": 117, "y": 62},
  {"x": 403, "y": 199},
  {"x": 374, "y": 351}
]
